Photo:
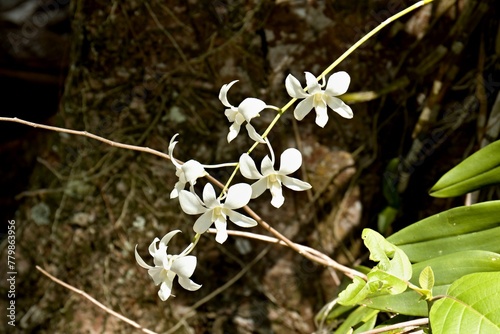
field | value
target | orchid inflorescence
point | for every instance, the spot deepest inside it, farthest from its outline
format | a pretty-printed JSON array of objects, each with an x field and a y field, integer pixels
[{"x": 216, "y": 209}]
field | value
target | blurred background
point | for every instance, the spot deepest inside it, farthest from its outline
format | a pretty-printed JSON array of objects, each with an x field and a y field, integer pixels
[{"x": 424, "y": 92}]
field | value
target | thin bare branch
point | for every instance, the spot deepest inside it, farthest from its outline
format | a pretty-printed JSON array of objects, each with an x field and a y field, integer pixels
[
  {"x": 309, "y": 253},
  {"x": 407, "y": 325},
  {"x": 303, "y": 250},
  {"x": 95, "y": 302},
  {"x": 87, "y": 134}
]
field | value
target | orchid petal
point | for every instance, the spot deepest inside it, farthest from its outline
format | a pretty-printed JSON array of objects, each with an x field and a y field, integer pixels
[
  {"x": 171, "y": 147},
  {"x": 267, "y": 166},
  {"x": 321, "y": 114},
  {"x": 259, "y": 187},
  {"x": 177, "y": 188},
  {"x": 339, "y": 107},
  {"x": 290, "y": 161},
  {"x": 165, "y": 290},
  {"x": 221, "y": 235},
  {"x": 312, "y": 83},
  {"x": 157, "y": 274},
  {"x": 241, "y": 220},
  {"x": 253, "y": 134},
  {"x": 209, "y": 196},
  {"x": 223, "y": 93},
  {"x": 248, "y": 168},
  {"x": 140, "y": 261},
  {"x": 152, "y": 247},
  {"x": 203, "y": 223},
  {"x": 234, "y": 129},
  {"x": 238, "y": 196},
  {"x": 190, "y": 203},
  {"x": 184, "y": 266},
  {"x": 251, "y": 107},
  {"x": 193, "y": 170},
  {"x": 294, "y": 88},
  {"x": 303, "y": 108},
  {"x": 166, "y": 239},
  {"x": 338, "y": 83},
  {"x": 295, "y": 184},
  {"x": 277, "y": 193},
  {"x": 231, "y": 114},
  {"x": 187, "y": 284}
]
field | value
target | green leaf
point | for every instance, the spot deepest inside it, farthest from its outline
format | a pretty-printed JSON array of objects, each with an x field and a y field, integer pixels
[
  {"x": 390, "y": 181},
  {"x": 448, "y": 268},
  {"x": 426, "y": 278},
  {"x": 472, "y": 305},
  {"x": 369, "y": 323},
  {"x": 385, "y": 218},
  {"x": 391, "y": 259},
  {"x": 389, "y": 276},
  {"x": 387, "y": 283},
  {"x": 463, "y": 228},
  {"x": 409, "y": 302},
  {"x": 479, "y": 170},
  {"x": 355, "y": 292},
  {"x": 360, "y": 315}
]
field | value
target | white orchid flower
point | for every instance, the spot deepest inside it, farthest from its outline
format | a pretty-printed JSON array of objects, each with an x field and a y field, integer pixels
[
  {"x": 213, "y": 211},
  {"x": 272, "y": 179},
  {"x": 188, "y": 172},
  {"x": 167, "y": 266},
  {"x": 249, "y": 108},
  {"x": 319, "y": 99}
]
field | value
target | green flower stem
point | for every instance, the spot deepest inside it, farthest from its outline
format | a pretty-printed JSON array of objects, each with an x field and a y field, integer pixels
[
  {"x": 371, "y": 33},
  {"x": 325, "y": 72},
  {"x": 192, "y": 245}
]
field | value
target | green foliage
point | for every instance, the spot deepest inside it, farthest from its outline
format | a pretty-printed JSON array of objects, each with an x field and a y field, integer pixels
[
  {"x": 361, "y": 318},
  {"x": 446, "y": 269},
  {"x": 479, "y": 170},
  {"x": 391, "y": 259},
  {"x": 463, "y": 228},
  {"x": 389, "y": 276},
  {"x": 389, "y": 183},
  {"x": 426, "y": 278},
  {"x": 470, "y": 306},
  {"x": 450, "y": 261},
  {"x": 387, "y": 216}
]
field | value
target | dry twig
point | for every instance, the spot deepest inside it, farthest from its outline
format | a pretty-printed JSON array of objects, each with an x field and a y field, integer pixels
[{"x": 95, "y": 302}]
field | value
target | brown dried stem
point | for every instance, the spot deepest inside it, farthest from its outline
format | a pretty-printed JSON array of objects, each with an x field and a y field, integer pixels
[
  {"x": 309, "y": 253},
  {"x": 95, "y": 302}
]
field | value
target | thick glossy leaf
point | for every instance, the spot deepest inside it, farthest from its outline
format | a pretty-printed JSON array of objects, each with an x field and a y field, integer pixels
[
  {"x": 368, "y": 324},
  {"x": 488, "y": 240},
  {"x": 479, "y": 170},
  {"x": 447, "y": 269},
  {"x": 360, "y": 315},
  {"x": 472, "y": 306},
  {"x": 408, "y": 302},
  {"x": 463, "y": 228}
]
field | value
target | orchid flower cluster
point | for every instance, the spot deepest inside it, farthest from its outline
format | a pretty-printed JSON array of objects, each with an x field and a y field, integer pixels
[{"x": 216, "y": 209}]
